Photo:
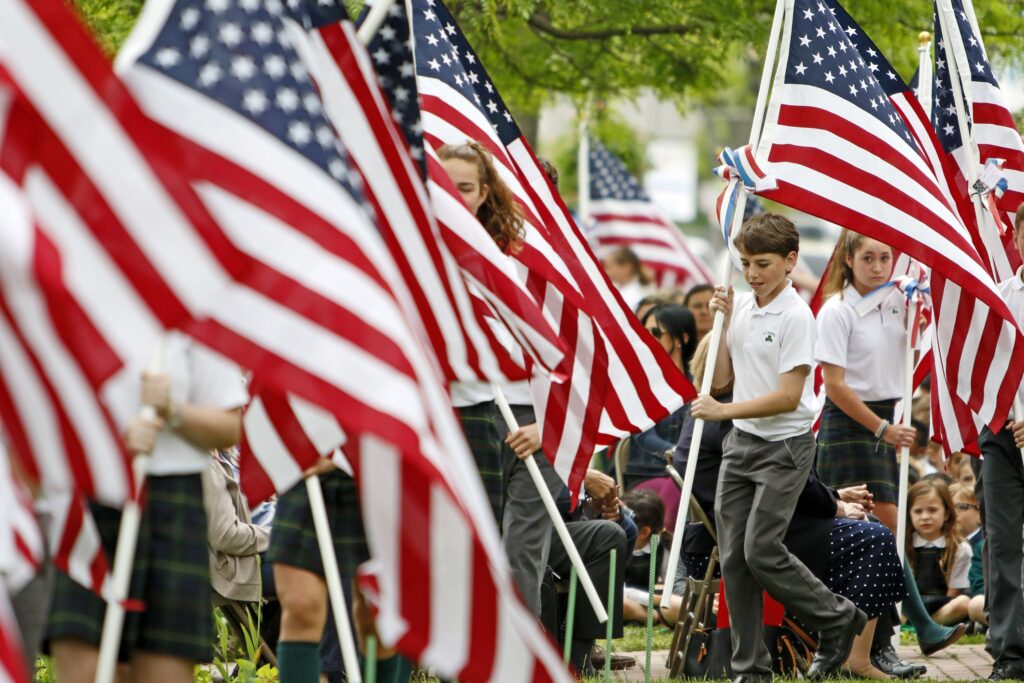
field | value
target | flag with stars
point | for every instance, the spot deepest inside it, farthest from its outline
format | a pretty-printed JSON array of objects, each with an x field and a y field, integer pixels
[
  {"x": 990, "y": 126},
  {"x": 840, "y": 149},
  {"x": 290, "y": 136},
  {"x": 624, "y": 216},
  {"x": 620, "y": 381}
]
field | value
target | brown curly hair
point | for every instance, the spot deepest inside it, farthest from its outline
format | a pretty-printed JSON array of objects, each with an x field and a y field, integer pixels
[{"x": 500, "y": 214}]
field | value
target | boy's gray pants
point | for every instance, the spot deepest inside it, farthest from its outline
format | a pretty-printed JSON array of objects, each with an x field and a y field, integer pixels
[{"x": 758, "y": 487}]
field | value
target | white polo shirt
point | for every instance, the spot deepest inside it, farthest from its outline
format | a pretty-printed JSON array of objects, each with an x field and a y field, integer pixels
[
  {"x": 869, "y": 345},
  {"x": 199, "y": 377},
  {"x": 1012, "y": 291},
  {"x": 765, "y": 343}
]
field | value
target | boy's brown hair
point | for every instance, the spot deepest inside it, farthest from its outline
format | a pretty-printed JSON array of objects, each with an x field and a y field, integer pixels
[
  {"x": 768, "y": 233},
  {"x": 1018, "y": 220}
]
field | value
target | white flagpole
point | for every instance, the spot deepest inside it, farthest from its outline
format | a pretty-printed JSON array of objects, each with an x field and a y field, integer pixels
[
  {"x": 332, "y": 574},
  {"x": 374, "y": 20},
  {"x": 908, "y": 398},
  {"x": 924, "y": 71},
  {"x": 719, "y": 323},
  {"x": 124, "y": 554},
  {"x": 556, "y": 518}
]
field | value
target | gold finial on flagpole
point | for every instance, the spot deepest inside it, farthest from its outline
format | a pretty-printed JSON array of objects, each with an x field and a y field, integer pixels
[{"x": 923, "y": 38}]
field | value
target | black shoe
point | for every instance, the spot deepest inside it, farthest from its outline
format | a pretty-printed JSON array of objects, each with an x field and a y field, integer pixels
[
  {"x": 955, "y": 634},
  {"x": 1007, "y": 672},
  {"x": 889, "y": 662},
  {"x": 835, "y": 648},
  {"x": 752, "y": 678}
]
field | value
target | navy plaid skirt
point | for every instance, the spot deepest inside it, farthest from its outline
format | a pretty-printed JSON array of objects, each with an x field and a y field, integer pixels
[
  {"x": 293, "y": 536},
  {"x": 848, "y": 454},
  {"x": 170, "y": 575},
  {"x": 480, "y": 425}
]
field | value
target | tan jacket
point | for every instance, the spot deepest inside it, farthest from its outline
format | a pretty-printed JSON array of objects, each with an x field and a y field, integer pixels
[{"x": 233, "y": 539}]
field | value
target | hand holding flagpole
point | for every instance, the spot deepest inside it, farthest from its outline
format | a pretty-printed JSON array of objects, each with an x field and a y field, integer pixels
[
  {"x": 124, "y": 555},
  {"x": 731, "y": 227}
]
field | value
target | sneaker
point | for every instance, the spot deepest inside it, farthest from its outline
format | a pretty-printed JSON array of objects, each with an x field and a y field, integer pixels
[{"x": 1006, "y": 672}]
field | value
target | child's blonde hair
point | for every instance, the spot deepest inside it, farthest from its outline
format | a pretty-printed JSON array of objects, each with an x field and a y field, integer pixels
[{"x": 938, "y": 487}]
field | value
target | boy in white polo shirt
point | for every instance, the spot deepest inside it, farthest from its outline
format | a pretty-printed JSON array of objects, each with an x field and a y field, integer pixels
[{"x": 768, "y": 455}]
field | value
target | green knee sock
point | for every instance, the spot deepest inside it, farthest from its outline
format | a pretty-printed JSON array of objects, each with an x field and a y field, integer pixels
[
  {"x": 927, "y": 630},
  {"x": 394, "y": 669},
  {"x": 298, "y": 661}
]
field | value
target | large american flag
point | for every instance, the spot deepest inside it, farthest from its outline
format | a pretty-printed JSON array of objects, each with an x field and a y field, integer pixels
[
  {"x": 839, "y": 149},
  {"x": 623, "y": 215},
  {"x": 620, "y": 380},
  {"x": 990, "y": 128},
  {"x": 455, "y": 275},
  {"x": 404, "y": 444}
]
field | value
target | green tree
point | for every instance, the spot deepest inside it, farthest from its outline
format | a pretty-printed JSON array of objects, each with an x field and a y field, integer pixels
[{"x": 692, "y": 51}]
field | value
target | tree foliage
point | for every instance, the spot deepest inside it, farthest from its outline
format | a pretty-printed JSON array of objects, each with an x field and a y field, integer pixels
[{"x": 687, "y": 50}]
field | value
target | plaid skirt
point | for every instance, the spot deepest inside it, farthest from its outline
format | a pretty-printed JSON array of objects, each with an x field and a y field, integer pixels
[
  {"x": 848, "y": 454},
  {"x": 170, "y": 576},
  {"x": 480, "y": 425},
  {"x": 293, "y": 536}
]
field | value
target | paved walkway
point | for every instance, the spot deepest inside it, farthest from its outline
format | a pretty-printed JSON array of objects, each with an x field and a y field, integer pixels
[{"x": 956, "y": 663}]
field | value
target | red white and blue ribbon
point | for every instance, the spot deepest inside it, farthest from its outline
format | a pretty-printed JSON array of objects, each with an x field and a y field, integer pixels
[{"x": 741, "y": 171}]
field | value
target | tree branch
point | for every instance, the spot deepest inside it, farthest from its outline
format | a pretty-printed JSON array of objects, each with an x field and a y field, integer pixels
[{"x": 542, "y": 23}]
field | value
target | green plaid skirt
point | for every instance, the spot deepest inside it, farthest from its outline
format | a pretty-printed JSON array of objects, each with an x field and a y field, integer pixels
[
  {"x": 170, "y": 575},
  {"x": 293, "y": 537},
  {"x": 848, "y": 454},
  {"x": 480, "y": 425}
]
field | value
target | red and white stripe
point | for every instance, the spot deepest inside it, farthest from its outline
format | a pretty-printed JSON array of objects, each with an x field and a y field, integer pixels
[
  {"x": 655, "y": 240},
  {"x": 835, "y": 161},
  {"x": 620, "y": 380},
  {"x": 12, "y": 658}
]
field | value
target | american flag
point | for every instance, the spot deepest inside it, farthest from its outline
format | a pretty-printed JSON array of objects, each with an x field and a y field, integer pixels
[
  {"x": 12, "y": 659},
  {"x": 991, "y": 123},
  {"x": 623, "y": 215},
  {"x": 839, "y": 149},
  {"x": 252, "y": 67},
  {"x": 620, "y": 380},
  {"x": 454, "y": 271},
  {"x": 991, "y": 129}
]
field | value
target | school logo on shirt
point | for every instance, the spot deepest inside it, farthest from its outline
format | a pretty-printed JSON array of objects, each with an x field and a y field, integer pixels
[
  {"x": 769, "y": 337},
  {"x": 893, "y": 310}
]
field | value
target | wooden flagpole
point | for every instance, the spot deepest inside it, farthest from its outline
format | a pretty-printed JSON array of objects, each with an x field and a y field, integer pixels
[
  {"x": 556, "y": 517},
  {"x": 124, "y": 554},
  {"x": 756, "y": 126}
]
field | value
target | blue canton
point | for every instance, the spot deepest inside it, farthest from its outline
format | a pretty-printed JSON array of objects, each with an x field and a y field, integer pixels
[
  {"x": 828, "y": 50},
  {"x": 609, "y": 177},
  {"x": 944, "y": 117},
  {"x": 442, "y": 52},
  {"x": 238, "y": 53},
  {"x": 391, "y": 51}
]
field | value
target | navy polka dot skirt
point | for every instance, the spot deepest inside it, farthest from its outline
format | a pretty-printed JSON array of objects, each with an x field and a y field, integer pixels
[{"x": 863, "y": 565}]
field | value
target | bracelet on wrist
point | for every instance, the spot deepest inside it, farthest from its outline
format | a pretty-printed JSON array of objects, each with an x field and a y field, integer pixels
[{"x": 880, "y": 432}]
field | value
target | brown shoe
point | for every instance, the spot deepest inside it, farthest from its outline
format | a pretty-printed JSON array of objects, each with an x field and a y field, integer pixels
[{"x": 619, "y": 662}]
